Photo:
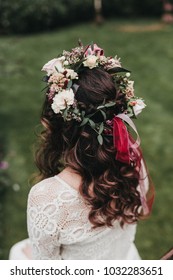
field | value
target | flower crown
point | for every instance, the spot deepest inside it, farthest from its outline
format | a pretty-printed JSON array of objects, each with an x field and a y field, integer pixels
[{"x": 62, "y": 72}]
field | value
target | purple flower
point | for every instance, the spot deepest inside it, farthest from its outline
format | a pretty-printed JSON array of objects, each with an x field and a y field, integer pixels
[{"x": 4, "y": 165}]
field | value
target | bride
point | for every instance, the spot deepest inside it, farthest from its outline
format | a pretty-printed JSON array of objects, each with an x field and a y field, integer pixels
[{"x": 93, "y": 185}]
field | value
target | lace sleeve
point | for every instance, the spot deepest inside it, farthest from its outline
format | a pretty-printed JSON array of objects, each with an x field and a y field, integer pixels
[{"x": 42, "y": 211}]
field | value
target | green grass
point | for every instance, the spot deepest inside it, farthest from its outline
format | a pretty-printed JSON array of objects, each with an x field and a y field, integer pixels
[{"x": 149, "y": 54}]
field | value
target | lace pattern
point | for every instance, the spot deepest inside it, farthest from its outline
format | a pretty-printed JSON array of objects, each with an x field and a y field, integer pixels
[{"x": 58, "y": 226}]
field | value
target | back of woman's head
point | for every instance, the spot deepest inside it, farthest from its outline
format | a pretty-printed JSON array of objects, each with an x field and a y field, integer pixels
[
  {"x": 85, "y": 154},
  {"x": 81, "y": 127}
]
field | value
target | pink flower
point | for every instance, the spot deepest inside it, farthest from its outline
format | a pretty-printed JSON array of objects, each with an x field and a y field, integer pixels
[
  {"x": 133, "y": 103},
  {"x": 95, "y": 51}
]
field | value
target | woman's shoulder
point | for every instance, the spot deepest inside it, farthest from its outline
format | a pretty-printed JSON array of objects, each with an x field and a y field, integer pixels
[
  {"x": 48, "y": 190},
  {"x": 42, "y": 186}
]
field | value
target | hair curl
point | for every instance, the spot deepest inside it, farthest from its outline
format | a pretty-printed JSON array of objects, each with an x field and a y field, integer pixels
[{"x": 109, "y": 186}]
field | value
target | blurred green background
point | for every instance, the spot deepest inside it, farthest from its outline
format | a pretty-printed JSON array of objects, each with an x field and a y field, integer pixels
[{"x": 28, "y": 39}]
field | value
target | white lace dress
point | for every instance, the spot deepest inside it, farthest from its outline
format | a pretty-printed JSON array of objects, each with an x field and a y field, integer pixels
[{"x": 58, "y": 227}]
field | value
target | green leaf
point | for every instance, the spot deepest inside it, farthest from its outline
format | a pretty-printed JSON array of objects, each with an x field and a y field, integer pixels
[
  {"x": 92, "y": 124},
  {"x": 100, "y": 139},
  {"x": 85, "y": 120},
  {"x": 76, "y": 111},
  {"x": 130, "y": 112},
  {"x": 110, "y": 104},
  {"x": 104, "y": 114},
  {"x": 101, "y": 128},
  {"x": 65, "y": 113},
  {"x": 83, "y": 114},
  {"x": 100, "y": 107},
  {"x": 69, "y": 84}
]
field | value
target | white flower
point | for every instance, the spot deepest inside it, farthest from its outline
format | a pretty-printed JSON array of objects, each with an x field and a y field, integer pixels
[
  {"x": 71, "y": 74},
  {"x": 50, "y": 66},
  {"x": 128, "y": 74},
  {"x": 66, "y": 62},
  {"x": 91, "y": 61},
  {"x": 139, "y": 106},
  {"x": 62, "y": 99}
]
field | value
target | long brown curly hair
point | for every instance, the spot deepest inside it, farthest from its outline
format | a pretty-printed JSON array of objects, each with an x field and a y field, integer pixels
[{"x": 108, "y": 186}]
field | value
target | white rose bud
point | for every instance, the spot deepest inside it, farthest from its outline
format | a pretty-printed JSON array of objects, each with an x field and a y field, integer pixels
[{"x": 91, "y": 61}]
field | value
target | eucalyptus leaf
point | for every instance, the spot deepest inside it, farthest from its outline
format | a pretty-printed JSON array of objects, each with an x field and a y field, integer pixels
[
  {"x": 65, "y": 113},
  {"x": 130, "y": 110},
  {"x": 100, "y": 139},
  {"x": 101, "y": 128},
  {"x": 85, "y": 120},
  {"x": 100, "y": 107},
  {"x": 76, "y": 111},
  {"x": 45, "y": 78},
  {"x": 92, "y": 124},
  {"x": 83, "y": 114},
  {"x": 69, "y": 84},
  {"x": 107, "y": 105},
  {"x": 103, "y": 114}
]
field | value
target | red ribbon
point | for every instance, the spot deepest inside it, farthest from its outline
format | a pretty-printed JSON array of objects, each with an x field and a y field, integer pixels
[{"x": 121, "y": 140}]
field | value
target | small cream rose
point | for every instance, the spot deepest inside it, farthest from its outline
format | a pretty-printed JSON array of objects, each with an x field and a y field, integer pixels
[
  {"x": 138, "y": 107},
  {"x": 62, "y": 99},
  {"x": 56, "y": 63},
  {"x": 91, "y": 61}
]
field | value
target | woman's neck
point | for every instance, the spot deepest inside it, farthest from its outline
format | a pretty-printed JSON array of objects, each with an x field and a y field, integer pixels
[{"x": 69, "y": 176}]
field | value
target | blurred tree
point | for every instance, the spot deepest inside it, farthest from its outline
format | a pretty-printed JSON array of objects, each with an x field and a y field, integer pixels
[
  {"x": 29, "y": 16},
  {"x": 98, "y": 11}
]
